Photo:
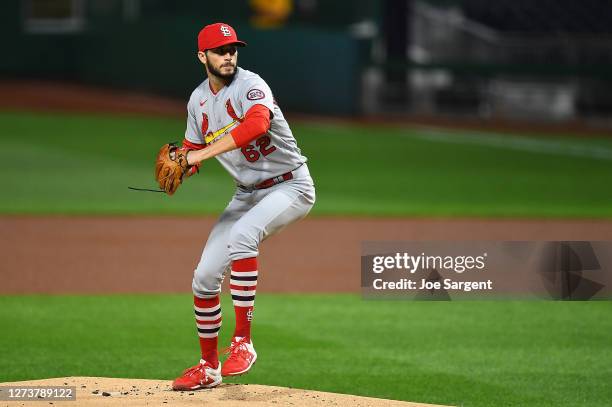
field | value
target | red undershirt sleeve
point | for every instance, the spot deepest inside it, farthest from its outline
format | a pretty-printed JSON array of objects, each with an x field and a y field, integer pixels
[
  {"x": 256, "y": 122},
  {"x": 188, "y": 145}
]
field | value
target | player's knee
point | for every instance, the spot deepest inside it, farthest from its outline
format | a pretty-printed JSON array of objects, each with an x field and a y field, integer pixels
[
  {"x": 205, "y": 284},
  {"x": 243, "y": 242},
  {"x": 204, "y": 288}
]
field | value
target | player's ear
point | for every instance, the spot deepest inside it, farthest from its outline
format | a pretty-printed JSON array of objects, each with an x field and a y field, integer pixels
[{"x": 202, "y": 56}]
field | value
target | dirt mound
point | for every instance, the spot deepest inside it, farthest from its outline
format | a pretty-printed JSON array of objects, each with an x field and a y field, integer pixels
[{"x": 103, "y": 391}]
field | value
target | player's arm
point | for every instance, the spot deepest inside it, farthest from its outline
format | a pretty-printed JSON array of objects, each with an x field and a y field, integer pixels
[{"x": 256, "y": 122}]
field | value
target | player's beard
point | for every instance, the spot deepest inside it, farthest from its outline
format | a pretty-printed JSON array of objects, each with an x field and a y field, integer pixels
[{"x": 225, "y": 76}]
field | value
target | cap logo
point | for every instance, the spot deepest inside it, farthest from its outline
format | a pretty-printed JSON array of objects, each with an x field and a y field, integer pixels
[{"x": 225, "y": 31}]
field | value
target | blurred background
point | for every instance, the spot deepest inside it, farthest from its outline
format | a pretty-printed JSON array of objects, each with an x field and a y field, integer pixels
[
  {"x": 511, "y": 60},
  {"x": 426, "y": 107}
]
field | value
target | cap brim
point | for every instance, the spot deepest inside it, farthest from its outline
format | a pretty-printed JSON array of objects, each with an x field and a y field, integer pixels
[{"x": 222, "y": 43}]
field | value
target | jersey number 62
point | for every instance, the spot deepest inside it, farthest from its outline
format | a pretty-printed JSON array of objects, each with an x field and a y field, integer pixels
[{"x": 262, "y": 147}]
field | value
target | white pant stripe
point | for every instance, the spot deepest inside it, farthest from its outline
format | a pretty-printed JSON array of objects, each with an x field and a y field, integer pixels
[
  {"x": 243, "y": 293},
  {"x": 213, "y": 318},
  {"x": 211, "y": 309},
  {"x": 244, "y": 303},
  {"x": 243, "y": 283},
  {"x": 209, "y": 326},
  {"x": 244, "y": 273},
  {"x": 213, "y": 335}
]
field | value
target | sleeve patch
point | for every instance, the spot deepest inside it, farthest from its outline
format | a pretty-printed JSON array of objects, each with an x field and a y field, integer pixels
[{"x": 255, "y": 94}]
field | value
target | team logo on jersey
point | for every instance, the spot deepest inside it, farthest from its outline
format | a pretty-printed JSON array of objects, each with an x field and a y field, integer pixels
[
  {"x": 255, "y": 94},
  {"x": 231, "y": 112},
  {"x": 204, "y": 123},
  {"x": 225, "y": 31}
]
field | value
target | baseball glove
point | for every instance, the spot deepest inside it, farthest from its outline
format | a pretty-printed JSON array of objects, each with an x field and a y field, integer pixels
[{"x": 171, "y": 166}]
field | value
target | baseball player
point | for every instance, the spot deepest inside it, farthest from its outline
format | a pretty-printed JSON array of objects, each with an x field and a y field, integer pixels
[{"x": 233, "y": 117}]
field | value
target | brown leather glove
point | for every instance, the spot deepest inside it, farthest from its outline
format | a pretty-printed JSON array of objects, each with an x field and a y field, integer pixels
[{"x": 171, "y": 166}]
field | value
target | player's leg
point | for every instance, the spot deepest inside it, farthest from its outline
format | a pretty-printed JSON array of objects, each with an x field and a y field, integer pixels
[
  {"x": 206, "y": 286},
  {"x": 277, "y": 208}
]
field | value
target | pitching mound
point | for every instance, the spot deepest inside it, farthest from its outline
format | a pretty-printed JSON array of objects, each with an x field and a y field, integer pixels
[{"x": 104, "y": 391}]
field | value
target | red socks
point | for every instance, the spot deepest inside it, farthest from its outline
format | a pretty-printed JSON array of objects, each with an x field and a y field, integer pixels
[
  {"x": 208, "y": 320},
  {"x": 243, "y": 285}
]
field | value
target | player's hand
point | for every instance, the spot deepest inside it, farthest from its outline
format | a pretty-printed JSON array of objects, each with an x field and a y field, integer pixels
[{"x": 192, "y": 170}]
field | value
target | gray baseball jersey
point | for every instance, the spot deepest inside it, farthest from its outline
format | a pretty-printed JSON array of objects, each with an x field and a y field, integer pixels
[
  {"x": 211, "y": 116},
  {"x": 252, "y": 215}
]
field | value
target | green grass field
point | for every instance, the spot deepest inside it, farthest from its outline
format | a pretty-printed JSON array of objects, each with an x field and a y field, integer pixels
[
  {"x": 61, "y": 163},
  {"x": 470, "y": 353}
]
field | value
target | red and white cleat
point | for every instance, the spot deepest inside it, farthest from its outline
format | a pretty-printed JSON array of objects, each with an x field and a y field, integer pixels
[
  {"x": 200, "y": 376},
  {"x": 242, "y": 356}
]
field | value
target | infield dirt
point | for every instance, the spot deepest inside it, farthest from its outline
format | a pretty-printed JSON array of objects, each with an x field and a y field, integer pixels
[{"x": 80, "y": 255}]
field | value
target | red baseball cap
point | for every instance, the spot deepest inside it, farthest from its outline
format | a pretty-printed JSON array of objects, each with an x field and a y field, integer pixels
[{"x": 217, "y": 35}]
